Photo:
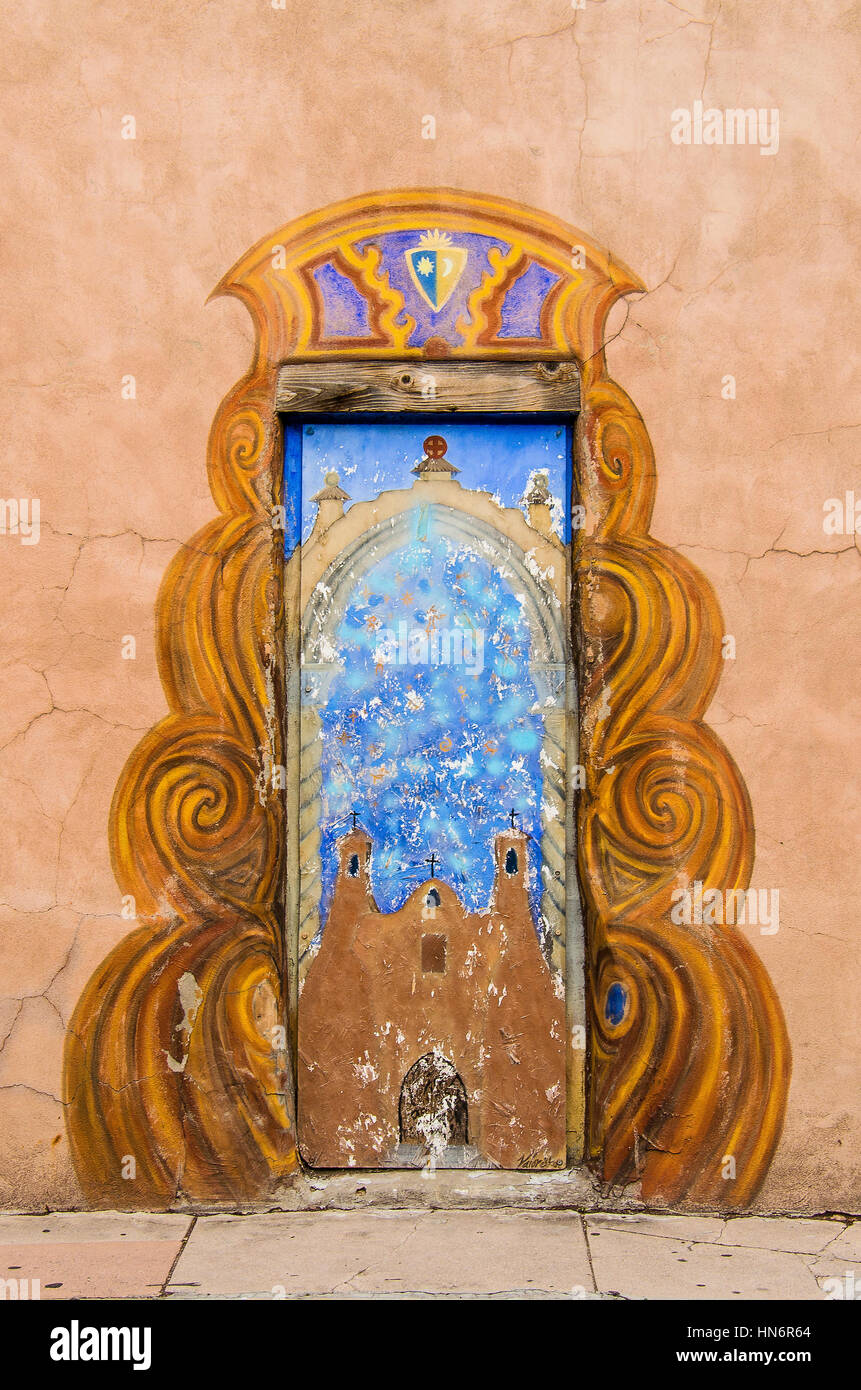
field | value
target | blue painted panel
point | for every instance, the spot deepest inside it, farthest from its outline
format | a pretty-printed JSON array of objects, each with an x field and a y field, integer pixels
[
  {"x": 292, "y": 487},
  {"x": 345, "y": 311},
  {"x": 497, "y": 457},
  {"x": 521, "y": 308}
]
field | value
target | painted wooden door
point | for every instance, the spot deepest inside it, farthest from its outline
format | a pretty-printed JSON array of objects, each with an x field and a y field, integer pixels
[{"x": 434, "y": 826}]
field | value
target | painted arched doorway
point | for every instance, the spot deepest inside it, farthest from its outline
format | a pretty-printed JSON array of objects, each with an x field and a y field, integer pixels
[
  {"x": 179, "y": 1050},
  {"x": 433, "y": 1108}
]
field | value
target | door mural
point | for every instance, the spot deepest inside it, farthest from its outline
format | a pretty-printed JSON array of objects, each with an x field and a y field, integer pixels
[
  {"x": 182, "y": 1056},
  {"x": 436, "y": 729}
]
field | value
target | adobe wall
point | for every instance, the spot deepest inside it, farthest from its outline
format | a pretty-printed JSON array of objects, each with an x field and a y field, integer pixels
[{"x": 247, "y": 114}]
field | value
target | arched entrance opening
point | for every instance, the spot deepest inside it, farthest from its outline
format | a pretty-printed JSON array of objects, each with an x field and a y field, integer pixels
[{"x": 433, "y": 1111}]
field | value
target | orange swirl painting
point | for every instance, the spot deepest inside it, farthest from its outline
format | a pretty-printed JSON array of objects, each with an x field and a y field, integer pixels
[{"x": 408, "y": 849}]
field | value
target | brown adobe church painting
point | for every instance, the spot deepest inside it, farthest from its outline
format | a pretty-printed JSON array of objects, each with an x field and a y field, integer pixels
[
  {"x": 431, "y": 1035},
  {"x": 181, "y": 1061}
]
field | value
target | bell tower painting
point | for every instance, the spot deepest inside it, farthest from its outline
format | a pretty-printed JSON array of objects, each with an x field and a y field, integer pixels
[{"x": 404, "y": 851}]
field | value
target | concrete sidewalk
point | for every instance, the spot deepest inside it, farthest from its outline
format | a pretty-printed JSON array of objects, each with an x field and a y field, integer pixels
[{"x": 378, "y": 1253}]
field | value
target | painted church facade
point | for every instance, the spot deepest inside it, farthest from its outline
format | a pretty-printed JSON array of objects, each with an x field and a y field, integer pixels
[{"x": 432, "y": 1034}]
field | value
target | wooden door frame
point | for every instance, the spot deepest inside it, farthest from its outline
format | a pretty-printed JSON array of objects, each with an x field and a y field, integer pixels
[{"x": 524, "y": 391}]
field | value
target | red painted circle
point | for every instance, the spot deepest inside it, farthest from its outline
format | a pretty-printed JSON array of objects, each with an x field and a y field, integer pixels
[{"x": 435, "y": 446}]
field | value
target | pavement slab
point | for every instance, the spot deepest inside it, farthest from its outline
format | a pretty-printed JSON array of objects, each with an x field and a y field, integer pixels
[
  {"x": 630, "y": 1264},
  {"x": 669, "y": 1225},
  {"x": 846, "y": 1245},
  {"x": 804, "y": 1237},
  {"x": 91, "y": 1254},
  {"x": 378, "y": 1253}
]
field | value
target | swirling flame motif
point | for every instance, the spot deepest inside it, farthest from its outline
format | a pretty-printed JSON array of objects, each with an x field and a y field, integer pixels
[
  {"x": 483, "y": 309},
  {"x": 696, "y": 1071},
  {"x": 689, "y": 1059},
  {"x": 388, "y": 302}
]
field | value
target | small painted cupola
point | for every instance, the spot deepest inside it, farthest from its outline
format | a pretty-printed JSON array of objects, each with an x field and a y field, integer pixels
[
  {"x": 434, "y": 466},
  {"x": 330, "y": 501}
]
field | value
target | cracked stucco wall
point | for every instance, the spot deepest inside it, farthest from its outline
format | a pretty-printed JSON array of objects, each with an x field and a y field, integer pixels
[{"x": 246, "y": 115}]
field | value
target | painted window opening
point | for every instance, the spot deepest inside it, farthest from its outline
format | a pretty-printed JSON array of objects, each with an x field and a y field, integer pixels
[
  {"x": 435, "y": 709},
  {"x": 433, "y": 954},
  {"x": 616, "y": 1005}
]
